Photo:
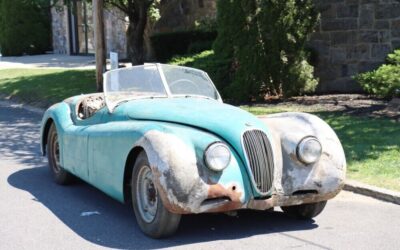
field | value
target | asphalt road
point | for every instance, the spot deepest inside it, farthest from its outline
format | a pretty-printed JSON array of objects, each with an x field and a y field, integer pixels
[{"x": 35, "y": 213}]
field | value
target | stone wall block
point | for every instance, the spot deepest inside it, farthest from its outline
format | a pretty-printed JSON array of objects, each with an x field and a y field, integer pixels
[
  {"x": 345, "y": 10},
  {"x": 320, "y": 36},
  {"x": 327, "y": 10},
  {"x": 344, "y": 37},
  {"x": 356, "y": 53},
  {"x": 366, "y": 19},
  {"x": 338, "y": 55},
  {"x": 395, "y": 44},
  {"x": 384, "y": 11},
  {"x": 382, "y": 24},
  {"x": 368, "y": 66},
  {"x": 384, "y": 36},
  {"x": 379, "y": 51},
  {"x": 368, "y": 36},
  {"x": 396, "y": 28},
  {"x": 339, "y": 24}
]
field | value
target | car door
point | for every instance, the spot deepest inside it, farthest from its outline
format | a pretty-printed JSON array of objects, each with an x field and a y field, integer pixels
[{"x": 76, "y": 137}]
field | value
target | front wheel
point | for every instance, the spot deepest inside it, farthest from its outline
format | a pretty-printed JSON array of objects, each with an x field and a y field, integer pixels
[
  {"x": 305, "y": 211},
  {"x": 151, "y": 215}
]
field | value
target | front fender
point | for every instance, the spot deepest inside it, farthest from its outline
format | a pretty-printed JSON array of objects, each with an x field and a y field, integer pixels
[
  {"x": 60, "y": 114},
  {"x": 184, "y": 183},
  {"x": 326, "y": 176}
]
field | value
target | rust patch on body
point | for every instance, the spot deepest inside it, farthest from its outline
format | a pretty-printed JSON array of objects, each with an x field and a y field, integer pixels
[
  {"x": 279, "y": 200},
  {"x": 217, "y": 191}
]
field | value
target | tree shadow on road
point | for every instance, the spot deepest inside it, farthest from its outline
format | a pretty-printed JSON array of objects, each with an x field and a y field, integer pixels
[
  {"x": 116, "y": 227},
  {"x": 19, "y": 137}
]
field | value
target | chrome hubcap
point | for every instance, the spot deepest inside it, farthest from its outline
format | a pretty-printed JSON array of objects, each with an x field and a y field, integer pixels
[{"x": 146, "y": 194}]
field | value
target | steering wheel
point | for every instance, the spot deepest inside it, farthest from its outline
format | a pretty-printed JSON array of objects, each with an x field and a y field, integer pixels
[{"x": 184, "y": 81}]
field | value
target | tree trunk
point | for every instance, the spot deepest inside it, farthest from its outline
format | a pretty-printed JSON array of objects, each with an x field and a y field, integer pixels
[
  {"x": 99, "y": 43},
  {"x": 135, "y": 34}
]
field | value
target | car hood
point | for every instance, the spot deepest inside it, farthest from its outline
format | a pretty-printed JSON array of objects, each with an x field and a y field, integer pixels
[{"x": 224, "y": 120}]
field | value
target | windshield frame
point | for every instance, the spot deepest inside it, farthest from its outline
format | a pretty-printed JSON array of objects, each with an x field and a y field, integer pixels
[{"x": 168, "y": 94}]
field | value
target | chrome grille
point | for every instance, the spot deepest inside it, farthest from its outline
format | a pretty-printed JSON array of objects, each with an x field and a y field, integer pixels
[{"x": 259, "y": 159}]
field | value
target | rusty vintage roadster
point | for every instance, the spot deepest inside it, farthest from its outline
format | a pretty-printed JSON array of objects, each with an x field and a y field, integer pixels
[{"x": 161, "y": 137}]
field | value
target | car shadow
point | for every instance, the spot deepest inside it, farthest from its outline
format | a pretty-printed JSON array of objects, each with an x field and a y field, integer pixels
[{"x": 115, "y": 225}]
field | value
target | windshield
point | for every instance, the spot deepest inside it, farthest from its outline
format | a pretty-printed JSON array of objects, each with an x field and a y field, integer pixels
[
  {"x": 156, "y": 80},
  {"x": 188, "y": 81}
]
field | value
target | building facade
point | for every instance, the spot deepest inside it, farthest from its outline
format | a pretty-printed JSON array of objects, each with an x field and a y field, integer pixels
[
  {"x": 353, "y": 36},
  {"x": 72, "y": 24}
]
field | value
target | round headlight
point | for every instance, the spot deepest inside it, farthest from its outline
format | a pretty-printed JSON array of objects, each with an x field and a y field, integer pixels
[
  {"x": 309, "y": 150},
  {"x": 217, "y": 156}
]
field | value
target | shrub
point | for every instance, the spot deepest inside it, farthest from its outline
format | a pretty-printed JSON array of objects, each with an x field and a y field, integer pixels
[
  {"x": 24, "y": 27},
  {"x": 263, "y": 43},
  {"x": 167, "y": 45},
  {"x": 384, "y": 81},
  {"x": 394, "y": 58}
]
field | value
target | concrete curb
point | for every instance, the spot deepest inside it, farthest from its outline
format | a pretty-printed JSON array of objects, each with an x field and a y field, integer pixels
[
  {"x": 350, "y": 185},
  {"x": 372, "y": 191}
]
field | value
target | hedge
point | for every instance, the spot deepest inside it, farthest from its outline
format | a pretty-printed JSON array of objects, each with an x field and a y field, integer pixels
[
  {"x": 25, "y": 27},
  {"x": 168, "y": 45}
]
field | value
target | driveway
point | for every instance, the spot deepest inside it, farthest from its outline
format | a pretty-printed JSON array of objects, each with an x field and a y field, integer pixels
[
  {"x": 48, "y": 61},
  {"x": 35, "y": 213}
]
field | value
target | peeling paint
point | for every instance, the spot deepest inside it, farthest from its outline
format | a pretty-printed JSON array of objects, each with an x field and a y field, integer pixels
[
  {"x": 325, "y": 176},
  {"x": 279, "y": 200},
  {"x": 181, "y": 188}
]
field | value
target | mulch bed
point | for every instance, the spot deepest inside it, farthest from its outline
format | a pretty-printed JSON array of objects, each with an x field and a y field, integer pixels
[{"x": 353, "y": 104}]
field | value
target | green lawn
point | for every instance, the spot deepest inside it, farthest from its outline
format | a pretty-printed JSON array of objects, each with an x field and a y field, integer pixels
[
  {"x": 372, "y": 145},
  {"x": 43, "y": 87}
]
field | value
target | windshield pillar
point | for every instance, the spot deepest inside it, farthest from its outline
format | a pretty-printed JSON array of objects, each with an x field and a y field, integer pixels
[{"x": 164, "y": 79}]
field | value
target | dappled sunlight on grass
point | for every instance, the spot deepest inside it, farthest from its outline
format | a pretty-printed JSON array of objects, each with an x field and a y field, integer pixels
[
  {"x": 45, "y": 86},
  {"x": 372, "y": 147}
]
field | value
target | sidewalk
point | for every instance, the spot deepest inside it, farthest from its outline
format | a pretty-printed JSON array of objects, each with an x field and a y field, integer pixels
[{"x": 48, "y": 61}]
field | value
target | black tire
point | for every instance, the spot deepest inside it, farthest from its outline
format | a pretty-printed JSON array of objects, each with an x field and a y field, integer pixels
[
  {"x": 156, "y": 222},
  {"x": 305, "y": 211},
  {"x": 61, "y": 176}
]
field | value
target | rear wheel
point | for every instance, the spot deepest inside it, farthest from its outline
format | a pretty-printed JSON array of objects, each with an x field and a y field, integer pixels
[
  {"x": 305, "y": 211},
  {"x": 151, "y": 215},
  {"x": 61, "y": 176}
]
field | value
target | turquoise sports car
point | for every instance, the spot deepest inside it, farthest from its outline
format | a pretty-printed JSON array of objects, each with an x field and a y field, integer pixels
[{"x": 161, "y": 137}]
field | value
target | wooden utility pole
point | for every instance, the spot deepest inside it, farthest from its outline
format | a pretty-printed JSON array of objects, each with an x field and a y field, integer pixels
[{"x": 99, "y": 38}]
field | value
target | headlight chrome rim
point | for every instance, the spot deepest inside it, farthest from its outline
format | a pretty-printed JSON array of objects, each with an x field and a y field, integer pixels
[
  {"x": 209, "y": 150},
  {"x": 300, "y": 151}
]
